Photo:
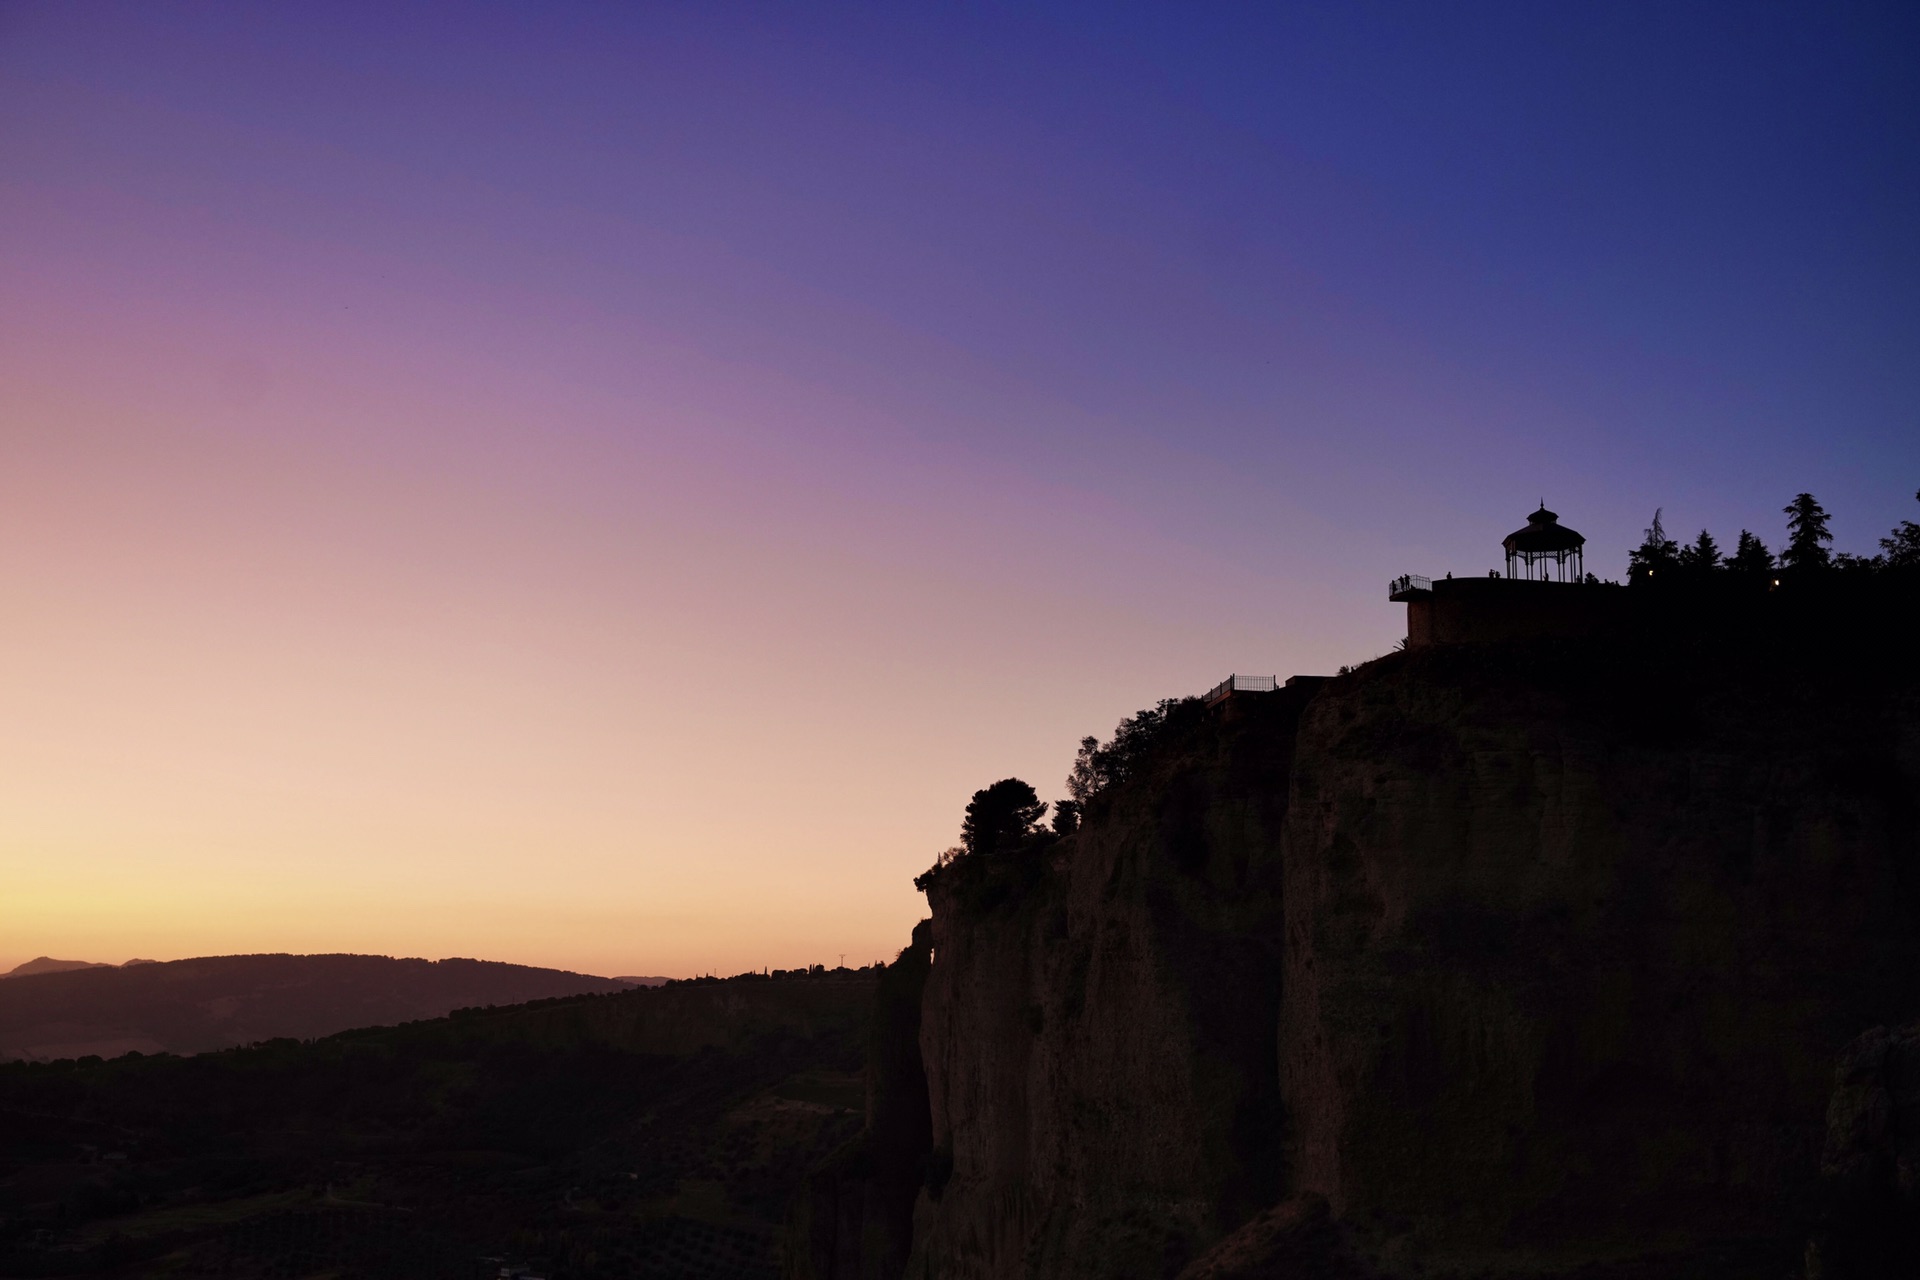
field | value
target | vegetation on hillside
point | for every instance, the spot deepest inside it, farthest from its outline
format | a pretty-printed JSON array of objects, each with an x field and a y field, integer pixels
[{"x": 576, "y": 1138}]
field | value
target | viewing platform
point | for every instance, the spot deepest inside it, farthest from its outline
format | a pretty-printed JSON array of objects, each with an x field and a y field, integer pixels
[
  {"x": 1235, "y": 685},
  {"x": 1544, "y": 592}
]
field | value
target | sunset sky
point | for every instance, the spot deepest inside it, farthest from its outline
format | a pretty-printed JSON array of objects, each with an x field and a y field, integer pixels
[{"x": 599, "y": 485}]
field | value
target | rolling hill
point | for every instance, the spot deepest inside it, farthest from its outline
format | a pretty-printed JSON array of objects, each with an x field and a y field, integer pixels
[{"x": 217, "y": 1002}]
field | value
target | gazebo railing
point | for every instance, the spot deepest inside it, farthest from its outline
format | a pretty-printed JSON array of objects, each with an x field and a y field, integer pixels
[{"x": 1566, "y": 565}]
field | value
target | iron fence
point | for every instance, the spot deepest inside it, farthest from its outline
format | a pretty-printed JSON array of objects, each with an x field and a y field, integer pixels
[
  {"x": 1243, "y": 684},
  {"x": 1408, "y": 582}
]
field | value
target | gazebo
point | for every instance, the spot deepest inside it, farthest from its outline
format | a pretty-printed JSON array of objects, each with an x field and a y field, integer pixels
[{"x": 1545, "y": 551}]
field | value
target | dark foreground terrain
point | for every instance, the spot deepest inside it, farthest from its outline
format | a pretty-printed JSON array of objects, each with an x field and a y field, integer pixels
[
  {"x": 218, "y": 1002},
  {"x": 654, "y": 1132}
]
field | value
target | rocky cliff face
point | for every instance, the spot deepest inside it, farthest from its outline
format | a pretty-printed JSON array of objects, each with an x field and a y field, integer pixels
[
  {"x": 1868, "y": 1217},
  {"x": 1521, "y": 960},
  {"x": 1573, "y": 937}
]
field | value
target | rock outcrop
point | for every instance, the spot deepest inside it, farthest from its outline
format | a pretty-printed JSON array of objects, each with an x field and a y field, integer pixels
[
  {"x": 1521, "y": 960},
  {"x": 1869, "y": 1221},
  {"x": 1573, "y": 934}
]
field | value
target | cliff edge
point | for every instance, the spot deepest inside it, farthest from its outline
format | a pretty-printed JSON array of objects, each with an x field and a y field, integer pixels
[{"x": 1529, "y": 959}]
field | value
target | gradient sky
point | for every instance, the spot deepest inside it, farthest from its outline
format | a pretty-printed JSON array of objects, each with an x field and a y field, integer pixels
[{"x": 600, "y": 485}]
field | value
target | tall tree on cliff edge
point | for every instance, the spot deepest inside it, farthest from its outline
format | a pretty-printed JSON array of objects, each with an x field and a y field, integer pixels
[
  {"x": 1657, "y": 554},
  {"x": 1807, "y": 536},
  {"x": 1000, "y": 816}
]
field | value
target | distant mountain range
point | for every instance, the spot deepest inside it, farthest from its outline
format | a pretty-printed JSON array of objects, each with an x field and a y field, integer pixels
[
  {"x": 70, "y": 1008},
  {"x": 47, "y": 964}
]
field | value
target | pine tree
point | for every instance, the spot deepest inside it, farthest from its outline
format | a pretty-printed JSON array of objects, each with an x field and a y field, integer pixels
[
  {"x": 1750, "y": 557},
  {"x": 1701, "y": 557},
  {"x": 1806, "y": 536},
  {"x": 1000, "y": 816}
]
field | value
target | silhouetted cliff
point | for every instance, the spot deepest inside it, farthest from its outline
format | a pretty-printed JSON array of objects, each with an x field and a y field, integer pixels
[{"x": 1516, "y": 960}]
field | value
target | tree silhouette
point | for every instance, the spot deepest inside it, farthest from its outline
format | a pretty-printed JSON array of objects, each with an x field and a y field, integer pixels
[
  {"x": 1902, "y": 546},
  {"x": 1088, "y": 778},
  {"x": 1135, "y": 739},
  {"x": 1066, "y": 817},
  {"x": 1657, "y": 554},
  {"x": 1750, "y": 557},
  {"x": 1000, "y": 816},
  {"x": 1806, "y": 536},
  {"x": 1701, "y": 557}
]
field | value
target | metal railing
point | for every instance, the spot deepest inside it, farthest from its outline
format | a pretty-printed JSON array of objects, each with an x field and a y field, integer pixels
[
  {"x": 1408, "y": 582},
  {"x": 1243, "y": 684}
]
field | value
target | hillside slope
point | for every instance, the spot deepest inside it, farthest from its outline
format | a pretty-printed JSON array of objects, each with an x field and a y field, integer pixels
[
  {"x": 191, "y": 1006},
  {"x": 656, "y": 1132}
]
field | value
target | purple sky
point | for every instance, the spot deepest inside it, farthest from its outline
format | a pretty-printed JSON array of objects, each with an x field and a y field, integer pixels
[{"x": 637, "y": 447}]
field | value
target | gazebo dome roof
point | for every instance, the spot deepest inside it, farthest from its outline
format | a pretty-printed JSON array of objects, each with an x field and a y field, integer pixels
[{"x": 1544, "y": 534}]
